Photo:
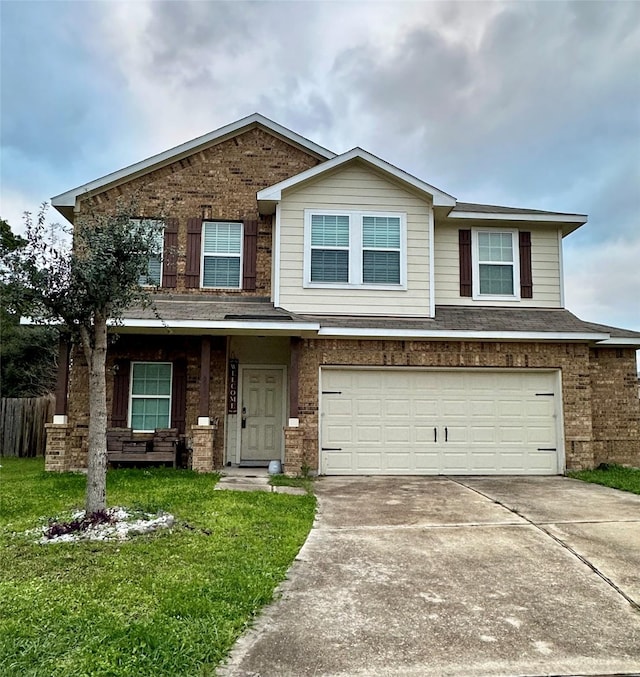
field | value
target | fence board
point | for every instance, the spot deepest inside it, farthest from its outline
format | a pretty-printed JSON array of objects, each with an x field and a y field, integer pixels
[{"x": 22, "y": 420}]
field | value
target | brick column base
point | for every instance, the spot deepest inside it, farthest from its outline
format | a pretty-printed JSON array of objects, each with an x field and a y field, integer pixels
[
  {"x": 57, "y": 452},
  {"x": 294, "y": 458},
  {"x": 202, "y": 437}
]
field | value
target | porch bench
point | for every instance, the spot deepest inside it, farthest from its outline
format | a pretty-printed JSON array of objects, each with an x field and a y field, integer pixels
[{"x": 125, "y": 446}]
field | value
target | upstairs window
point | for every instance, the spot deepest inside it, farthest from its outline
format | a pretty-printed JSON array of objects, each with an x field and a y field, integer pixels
[
  {"x": 329, "y": 248},
  {"x": 150, "y": 400},
  {"x": 152, "y": 277},
  {"x": 496, "y": 270},
  {"x": 355, "y": 250},
  {"x": 381, "y": 249},
  {"x": 221, "y": 254}
]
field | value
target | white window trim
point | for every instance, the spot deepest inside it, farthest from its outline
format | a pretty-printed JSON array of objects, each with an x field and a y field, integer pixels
[
  {"x": 355, "y": 250},
  {"x": 475, "y": 257},
  {"x": 147, "y": 397},
  {"x": 153, "y": 286},
  {"x": 202, "y": 254}
]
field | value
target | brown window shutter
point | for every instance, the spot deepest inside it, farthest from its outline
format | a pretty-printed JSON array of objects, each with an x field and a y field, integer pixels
[
  {"x": 250, "y": 252},
  {"x": 179, "y": 396},
  {"x": 464, "y": 242},
  {"x": 194, "y": 238},
  {"x": 526, "y": 277},
  {"x": 120, "y": 404},
  {"x": 170, "y": 254}
]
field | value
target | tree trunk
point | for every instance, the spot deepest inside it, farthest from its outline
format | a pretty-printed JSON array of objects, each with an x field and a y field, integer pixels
[{"x": 96, "y": 498}]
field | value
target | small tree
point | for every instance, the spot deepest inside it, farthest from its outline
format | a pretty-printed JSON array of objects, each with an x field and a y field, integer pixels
[{"x": 83, "y": 286}]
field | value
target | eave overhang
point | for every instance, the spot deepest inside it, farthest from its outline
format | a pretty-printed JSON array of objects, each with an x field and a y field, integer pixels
[
  {"x": 269, "y": 197},
  {"x": 569, "y": 222}
]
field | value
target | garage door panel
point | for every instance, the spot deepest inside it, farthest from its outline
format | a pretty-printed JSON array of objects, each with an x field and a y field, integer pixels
[{"x": 384, "y": 420}]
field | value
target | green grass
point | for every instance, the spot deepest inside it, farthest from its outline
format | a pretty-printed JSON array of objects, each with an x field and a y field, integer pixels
[
  {"x": 286, "y": 481},
  {"x": 615, "y": 476},
  {"x": 171, "y": 603}
]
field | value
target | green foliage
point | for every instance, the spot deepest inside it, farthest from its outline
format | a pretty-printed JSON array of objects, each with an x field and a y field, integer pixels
[
  {"x": 167, "y": 604},
  {"x": 95, "y": 275},
  {"x": 615, "y": 476},
  {"x": 302, "y": 481},
  {"x": 27, "y": 354}
]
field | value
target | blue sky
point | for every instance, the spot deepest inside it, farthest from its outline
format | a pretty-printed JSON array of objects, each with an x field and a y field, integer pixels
[{"x": 513, "y": 103}]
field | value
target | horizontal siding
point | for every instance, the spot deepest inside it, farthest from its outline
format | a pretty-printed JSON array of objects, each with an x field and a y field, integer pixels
[
  {"x": 354, "y": 187},
  {"x": 545, "y": 266}
]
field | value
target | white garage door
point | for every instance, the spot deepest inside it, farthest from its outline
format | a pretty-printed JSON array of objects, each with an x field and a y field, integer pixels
[{"x": 409, "y": 422}]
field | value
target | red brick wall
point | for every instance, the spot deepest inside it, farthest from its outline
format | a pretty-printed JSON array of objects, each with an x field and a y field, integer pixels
[
  {"x": 615, "y": 407},
  {"x": 220, "y": 182}
]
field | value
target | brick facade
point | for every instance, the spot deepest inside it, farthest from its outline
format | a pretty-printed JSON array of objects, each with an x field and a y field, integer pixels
[{"x": 599, "y": 388}]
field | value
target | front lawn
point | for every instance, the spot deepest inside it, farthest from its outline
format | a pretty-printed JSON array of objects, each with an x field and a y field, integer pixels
[
  {"x": 615, "y": 476},
  {"x": 170, "y": 603}
]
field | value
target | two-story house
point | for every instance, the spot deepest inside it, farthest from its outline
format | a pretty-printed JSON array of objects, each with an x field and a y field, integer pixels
[{"x": 342, "y": 316}]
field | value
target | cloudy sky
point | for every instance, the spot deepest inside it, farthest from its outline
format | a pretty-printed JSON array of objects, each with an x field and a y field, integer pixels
[{"x": 533, "y": 104}]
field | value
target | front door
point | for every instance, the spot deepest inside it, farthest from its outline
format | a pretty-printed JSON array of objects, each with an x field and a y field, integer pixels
[{"x": 262, "y": 424}]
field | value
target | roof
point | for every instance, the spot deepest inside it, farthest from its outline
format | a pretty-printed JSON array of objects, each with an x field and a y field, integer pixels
[
  {"x": 269, "y": 196},
  {"x": 248, "y": 315},
  {"x": 482, "y": 212},
  {"x": 65, "y": 202}
]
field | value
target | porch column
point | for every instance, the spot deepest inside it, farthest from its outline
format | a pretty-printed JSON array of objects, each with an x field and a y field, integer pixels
[
  {"x": 205, "y": 381},
  {"x": 62, "y": 383},
  {"x": 293, "y": 379}
]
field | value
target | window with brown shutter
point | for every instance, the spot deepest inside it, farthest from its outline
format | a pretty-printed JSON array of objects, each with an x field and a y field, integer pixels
[
  {"x": 526, "y": 277},
  {"x": 170, "y": 254},
  {"x": 464, "y": 242},
  {"x": 120, "y": 403},
  {"x": 250, "y": 252},
  {"x": 194, "y": 238}
]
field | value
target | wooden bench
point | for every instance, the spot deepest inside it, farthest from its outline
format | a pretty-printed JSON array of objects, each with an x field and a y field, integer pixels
[{"x": 125, "y": 446}]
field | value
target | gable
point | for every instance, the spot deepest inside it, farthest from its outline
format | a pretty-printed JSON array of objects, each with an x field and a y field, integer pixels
[{"x": 175, "y": 159}]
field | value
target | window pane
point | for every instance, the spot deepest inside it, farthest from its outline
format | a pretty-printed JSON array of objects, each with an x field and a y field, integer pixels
[
  {"x": 329, "y": 231},
  {"x": 329, "y": 265},
  {"x": 381, "y": 231},
  {"x": 381, "y": 267},
  {"x": 152, "y": 276},
  {"x": 496, "y": 280},
  {"x": 221, "y": 271},
  {"x": 151, "y": 379},
  {"x": 222, "y": 238},
  {"x": 495, "y": 247},
  {"x": 149, "y": 414}
]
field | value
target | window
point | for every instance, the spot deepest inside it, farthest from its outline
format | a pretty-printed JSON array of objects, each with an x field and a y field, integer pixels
[
  {"x": 496, "y": 270},
  {"x": 381, "y": 250},
  {"x": 329, "y": 248},
  {"x": 221, "y": 254},
  {"x": 354, "y": 249},
  {"x": 150, "y": 396},
  {"x": 152, "y": 277}
]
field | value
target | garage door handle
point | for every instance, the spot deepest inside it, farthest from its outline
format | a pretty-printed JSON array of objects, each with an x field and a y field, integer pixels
[
  {"x": 332, "y": 392},
  {"x": 547, "y": 449},
  {"x": 435, "y": 434},
  {"x": 446, "y": 434},
  {"x": 331, "y": 448}
]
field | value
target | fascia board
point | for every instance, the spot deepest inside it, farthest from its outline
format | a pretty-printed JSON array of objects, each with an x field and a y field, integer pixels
[
  {"x": 438, "y": 334},
  {"x": 68, "y": 198},
  {"x": 619, "y": 341},
  {"x": 215, "y": 325},
  {"x": 274, "y": 193},
  {"x": 520, "y": 216}
]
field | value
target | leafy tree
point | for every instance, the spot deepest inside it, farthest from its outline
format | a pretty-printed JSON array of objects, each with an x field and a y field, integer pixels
[
  {"x": 27, "y": 354},
  {"x": 82, "y": 286}
]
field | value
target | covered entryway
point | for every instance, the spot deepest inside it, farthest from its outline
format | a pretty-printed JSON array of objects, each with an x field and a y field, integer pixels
[{"x": 428, "y": 422}]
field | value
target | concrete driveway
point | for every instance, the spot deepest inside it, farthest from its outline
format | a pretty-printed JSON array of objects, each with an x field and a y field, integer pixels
[{"x": 457, "y": 577}]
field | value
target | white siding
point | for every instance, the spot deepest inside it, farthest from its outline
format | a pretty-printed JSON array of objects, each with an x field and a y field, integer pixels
[
  {"x": 354, "y": 187},
  {"x": 545, "y": 267}
]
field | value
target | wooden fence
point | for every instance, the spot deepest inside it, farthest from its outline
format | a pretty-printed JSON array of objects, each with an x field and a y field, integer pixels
[{"x": 22, "y": 422}]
